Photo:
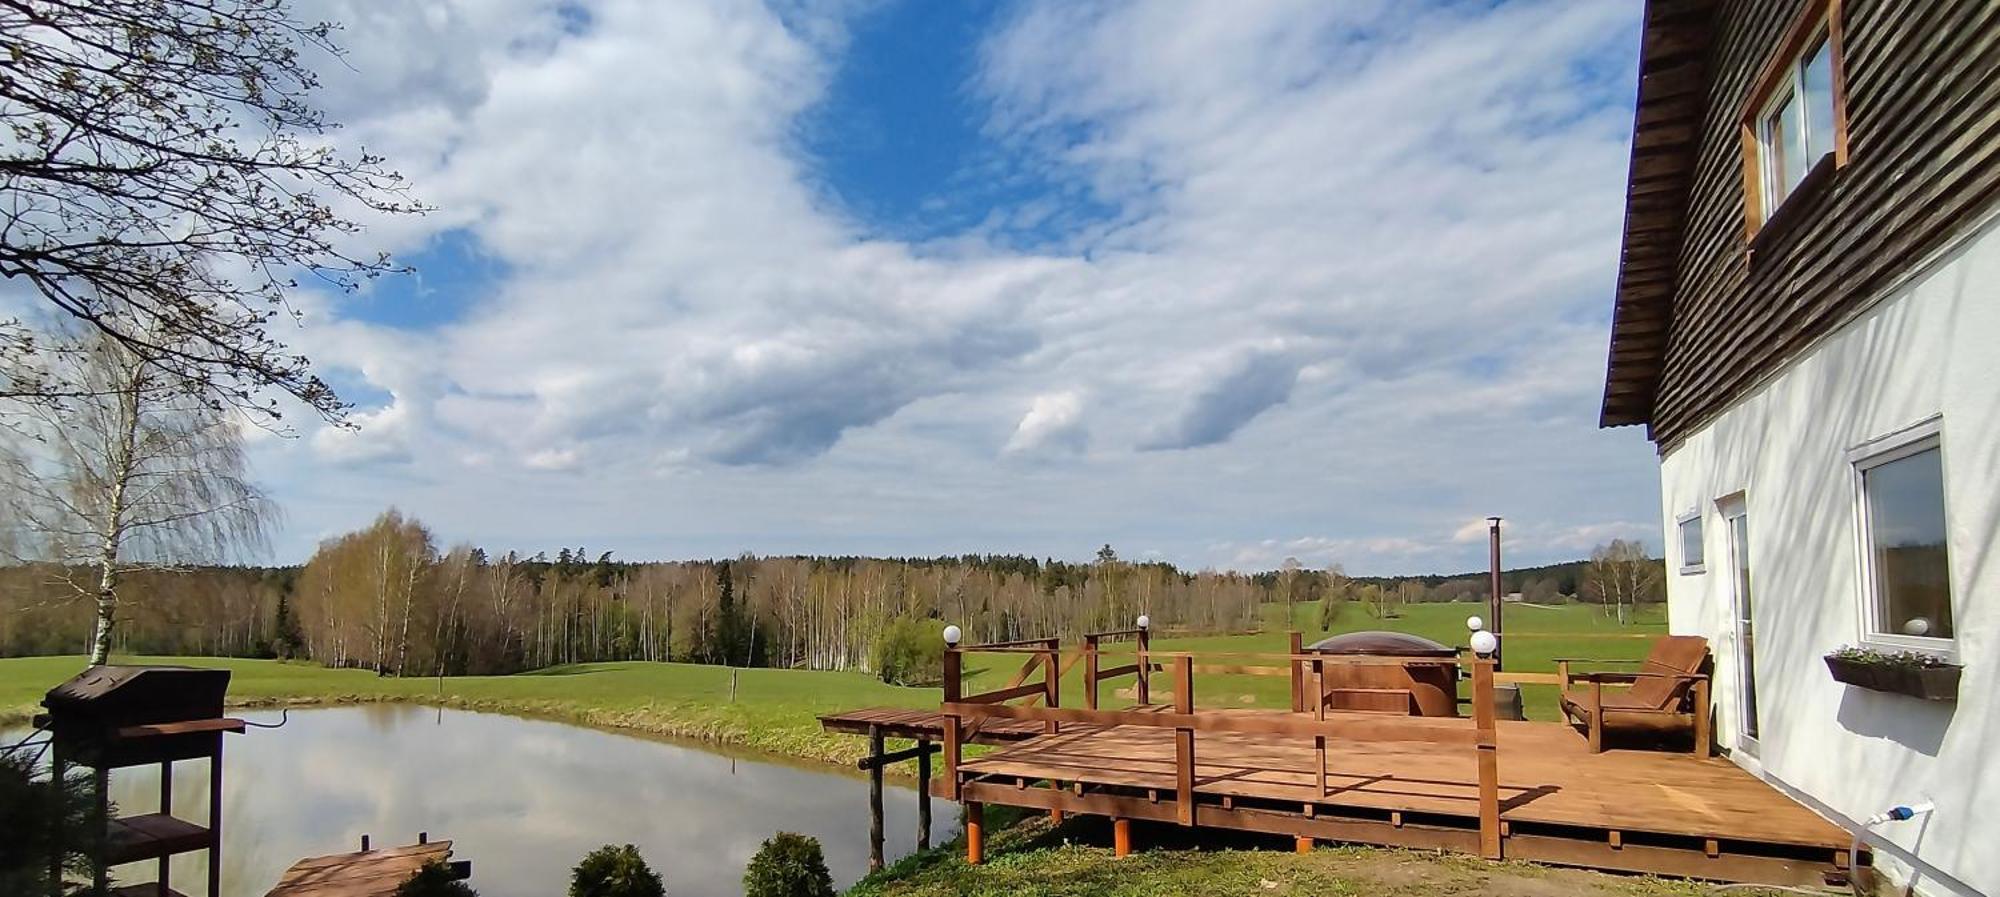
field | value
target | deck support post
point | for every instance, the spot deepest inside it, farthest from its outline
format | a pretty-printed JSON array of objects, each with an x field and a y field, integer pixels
[
  {"x": 1184, "y": 739},
  {"x": 1319, "y": 713},
  {"x": 952, "y": 736},
  {"x": 1489, "y": 761},
  {"x": 1121, "y": 837},
  {"x": 875, "y": 800},
  {"x": 1302, "y": 844},
  {"x": 923, "y": 794},
  {"x": 975, "y": 834}
]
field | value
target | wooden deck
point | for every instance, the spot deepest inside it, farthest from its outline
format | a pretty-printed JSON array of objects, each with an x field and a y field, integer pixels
[
  {"x": 368, "y": 873},
  {"x": 1489, "y": 787}
]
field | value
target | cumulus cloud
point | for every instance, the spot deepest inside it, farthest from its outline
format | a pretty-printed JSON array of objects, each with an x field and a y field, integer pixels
[
  {"x": 1307, "y": 207},
  {"x": 1054, "y": 422}
]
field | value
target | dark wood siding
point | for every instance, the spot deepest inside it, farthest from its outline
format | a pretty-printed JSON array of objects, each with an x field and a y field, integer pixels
[{"x": 1923, "y": 111}]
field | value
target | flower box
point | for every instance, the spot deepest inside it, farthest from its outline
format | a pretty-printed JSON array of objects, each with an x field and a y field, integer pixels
[{"x": 1916, "y": 675}]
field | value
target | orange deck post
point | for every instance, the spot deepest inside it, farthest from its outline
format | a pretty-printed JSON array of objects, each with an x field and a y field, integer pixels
[
  {"x": 1302, "y": 844},
  {"x": 1121, "y": 837},
  {"x": 975, "y": 833}
]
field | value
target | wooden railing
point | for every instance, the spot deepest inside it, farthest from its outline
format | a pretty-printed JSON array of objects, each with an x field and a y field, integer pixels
[
  {"x": 1315, "y": 722},
  {"x": 1093, "y": 673}
]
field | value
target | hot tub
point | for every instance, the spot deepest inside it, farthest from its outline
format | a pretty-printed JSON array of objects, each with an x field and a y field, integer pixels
[{"x": 1391, "y": 672}]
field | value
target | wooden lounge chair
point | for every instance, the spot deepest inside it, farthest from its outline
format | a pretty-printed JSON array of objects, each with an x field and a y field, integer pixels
[{"x": 1669, "y": 692}]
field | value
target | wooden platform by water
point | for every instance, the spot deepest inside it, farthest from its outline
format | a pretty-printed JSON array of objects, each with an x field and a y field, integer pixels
[{"x": 367, "y": 873}]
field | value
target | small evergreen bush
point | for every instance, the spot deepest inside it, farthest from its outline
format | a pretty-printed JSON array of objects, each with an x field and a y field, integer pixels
[
  {"x": 434, "y": 880},
  {"x": 788, "y": 865},
  {"x": 611, "y": 871}
]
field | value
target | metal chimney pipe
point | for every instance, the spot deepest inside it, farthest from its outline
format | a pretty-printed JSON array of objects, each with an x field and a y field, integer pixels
[{"x": 1493, "y": 617}]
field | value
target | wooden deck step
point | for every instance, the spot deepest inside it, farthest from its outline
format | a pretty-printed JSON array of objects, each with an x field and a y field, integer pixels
[{"x": 130, "y": 839}]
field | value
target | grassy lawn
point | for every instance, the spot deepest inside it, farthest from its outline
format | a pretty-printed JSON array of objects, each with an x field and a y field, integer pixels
[
  {"x": 1030, "y": 858},
  {"x": 776, "y": 710},
  {"x": 773, "y": 710}
]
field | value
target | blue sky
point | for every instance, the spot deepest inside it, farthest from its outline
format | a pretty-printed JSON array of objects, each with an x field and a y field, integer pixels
[{"x": 1215, "y": 283}]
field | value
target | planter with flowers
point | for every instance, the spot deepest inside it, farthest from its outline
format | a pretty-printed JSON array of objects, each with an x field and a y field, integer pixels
[{"x": 1912, "y": 673}]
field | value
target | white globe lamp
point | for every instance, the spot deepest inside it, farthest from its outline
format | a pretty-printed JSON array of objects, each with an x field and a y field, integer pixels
[
  {"x": 1475, "y": 624},
  {"x": 1483, "y": 643},
  {"x": 951, "y": 635},
  {"x": 1145, "y": 622}
]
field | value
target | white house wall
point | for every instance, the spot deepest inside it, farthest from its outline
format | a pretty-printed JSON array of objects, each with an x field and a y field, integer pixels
[{"x": 1931, "y": 347}]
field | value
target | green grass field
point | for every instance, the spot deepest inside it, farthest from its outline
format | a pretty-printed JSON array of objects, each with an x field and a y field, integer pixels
[{"x": 776, "y": 710}]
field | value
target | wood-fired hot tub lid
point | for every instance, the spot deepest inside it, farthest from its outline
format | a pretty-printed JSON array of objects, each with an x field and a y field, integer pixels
[{"x": 1379, "y": 643}]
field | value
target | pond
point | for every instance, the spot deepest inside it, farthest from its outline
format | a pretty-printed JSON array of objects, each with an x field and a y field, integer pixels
[{"x": 522, "y": 799}]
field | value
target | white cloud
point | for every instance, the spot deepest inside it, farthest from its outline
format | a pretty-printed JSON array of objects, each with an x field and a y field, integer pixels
[
  {"x": 1361, "y": 263},
  {"x": 1054, "y": 422}
]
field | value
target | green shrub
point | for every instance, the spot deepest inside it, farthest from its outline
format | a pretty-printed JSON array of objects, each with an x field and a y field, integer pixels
[
  {"x": 434, "y": 880},
  {"x": 788, "y": 865},
  {"x": 612, "y": 871},
  {"x": 32, "y": 810},
  {"x": 910, "y": 651}
]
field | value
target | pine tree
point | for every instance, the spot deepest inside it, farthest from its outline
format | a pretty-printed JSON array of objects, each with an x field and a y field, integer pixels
[{"x": 286, "y": 639}]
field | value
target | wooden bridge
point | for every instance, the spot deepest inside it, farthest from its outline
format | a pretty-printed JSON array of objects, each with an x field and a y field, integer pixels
[{"x": 1478, "y": 785}]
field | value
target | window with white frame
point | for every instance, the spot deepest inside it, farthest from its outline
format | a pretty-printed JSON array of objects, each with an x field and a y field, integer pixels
[
  {"x": 1795, "y": 129},
  {"x": 1689, "y": 533},
  {"x": 1906, "y": 564}
]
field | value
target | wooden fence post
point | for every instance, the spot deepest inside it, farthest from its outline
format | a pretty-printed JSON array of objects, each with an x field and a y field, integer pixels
[
  {"x": 1145, "y": 668},
  {"x": 1090, "y": 672},
  {"x": 1319, "y": 713},
  {"x": 1298, "y": 674},
  {"x": 1184, "y": 737},
  {"x": 1489, "y": 760},
  {"x": 1052, "y": 684}
]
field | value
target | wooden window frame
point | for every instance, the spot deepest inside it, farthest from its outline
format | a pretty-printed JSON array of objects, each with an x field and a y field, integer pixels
[{"x": 1819, "y": 16}]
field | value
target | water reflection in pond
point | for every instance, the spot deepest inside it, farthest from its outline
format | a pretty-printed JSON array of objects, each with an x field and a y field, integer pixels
[{"x": 523, "y": 799}]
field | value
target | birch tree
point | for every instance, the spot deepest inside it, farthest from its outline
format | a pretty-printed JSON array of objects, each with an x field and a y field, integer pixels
[
  {"x": 136, "y": 471},
  {"x": 167, "y": 179}
]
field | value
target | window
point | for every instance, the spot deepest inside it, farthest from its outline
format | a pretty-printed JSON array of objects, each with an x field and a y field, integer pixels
[
  {"x": 1690, "y": 538},
  {"x": 1906, "y": 568},
  {"x": 1796, "y": 116}
]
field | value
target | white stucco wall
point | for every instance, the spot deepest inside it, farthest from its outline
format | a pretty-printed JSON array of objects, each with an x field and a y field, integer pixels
[{"x": 1930, "y": 347}]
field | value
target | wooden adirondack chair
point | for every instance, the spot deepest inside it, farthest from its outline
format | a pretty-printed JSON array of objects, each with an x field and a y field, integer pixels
[{"x": 1669, "y": 692}]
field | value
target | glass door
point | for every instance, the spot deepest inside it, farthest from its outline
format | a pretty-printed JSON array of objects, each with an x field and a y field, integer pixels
[{"x": 1738, "y": 526}]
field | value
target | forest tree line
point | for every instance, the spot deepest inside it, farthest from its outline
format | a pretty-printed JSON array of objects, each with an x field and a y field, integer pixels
[{"x": 389, "y": 598}]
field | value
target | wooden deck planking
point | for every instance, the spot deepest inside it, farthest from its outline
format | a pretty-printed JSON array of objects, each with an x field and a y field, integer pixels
[
  {"x": 1547, "y": 775},
  {"x": 374, "y": 873}
]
